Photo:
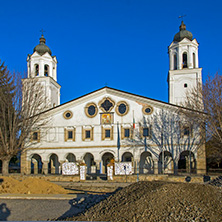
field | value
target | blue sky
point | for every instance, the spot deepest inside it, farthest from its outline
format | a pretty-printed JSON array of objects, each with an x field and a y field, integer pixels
[{"x": 119, "y": 43}]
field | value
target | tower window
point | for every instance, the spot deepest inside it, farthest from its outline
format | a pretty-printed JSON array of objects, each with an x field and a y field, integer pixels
[
  {"x": 185, "y": 85},
  {"x": 194, "y": 61},
  {"x": 175, "y": 61},
  {"x": 184, "y": 60},
  {"x": 46, "y": 70},
  {"x": 36, "y": 70}
]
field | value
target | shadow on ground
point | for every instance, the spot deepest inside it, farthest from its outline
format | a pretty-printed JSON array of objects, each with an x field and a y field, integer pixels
[{"x": 81, "y": 204}]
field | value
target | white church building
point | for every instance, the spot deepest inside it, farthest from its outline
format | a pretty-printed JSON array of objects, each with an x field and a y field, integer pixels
[{"x": 110, "y": 125}]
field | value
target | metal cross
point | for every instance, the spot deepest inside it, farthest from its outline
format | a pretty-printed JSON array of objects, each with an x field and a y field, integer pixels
[
  {"x": 42, "y": 31},
  {"x": 181, "y": 17}
]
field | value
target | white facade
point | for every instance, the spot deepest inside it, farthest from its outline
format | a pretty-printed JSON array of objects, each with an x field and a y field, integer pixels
[{"x": 109, "y": 124}]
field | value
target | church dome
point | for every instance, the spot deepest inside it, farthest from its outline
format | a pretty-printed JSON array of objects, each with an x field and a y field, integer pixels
[
  {"x": 183, "y": 33},
  {"x": 42, "y": 48}
]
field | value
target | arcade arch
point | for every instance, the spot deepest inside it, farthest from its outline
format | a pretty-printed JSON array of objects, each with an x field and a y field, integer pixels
[
  {"x": 127, "y": 157},
  {"x": 187, "y": 162},
  {"x": 53, "y": 165},
  {"x": 70, "y": 157},
  {"x": 89, "y": 161},
  {"x": 106, "y": 159},
  {"x": 165, "y": 163},
  {"x": 146, "y": 163},
  {"x": 36, "y": 164}
]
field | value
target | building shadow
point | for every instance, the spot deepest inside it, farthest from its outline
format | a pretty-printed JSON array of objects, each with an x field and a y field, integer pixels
[{"x": 4, "y": 212}]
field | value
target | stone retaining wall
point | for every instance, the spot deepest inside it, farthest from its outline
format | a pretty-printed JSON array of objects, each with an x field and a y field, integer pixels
[
  {"x": 169, "y": 178},
  {"x": 119, "y": 178}
]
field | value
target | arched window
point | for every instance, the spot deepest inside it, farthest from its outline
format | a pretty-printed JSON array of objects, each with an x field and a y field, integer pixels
[
  {"x": 184, "y": 60},
  {"x": 36, "y": 69},
  {"x": 46, "y": 70},
  {"x": 175, "y": 61},
  {"x": 194, "y": 61}
]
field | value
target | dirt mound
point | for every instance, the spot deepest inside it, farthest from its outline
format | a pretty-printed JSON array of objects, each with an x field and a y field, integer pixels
[
  {"x": 29, "y": 186},
  {"x": 159, "y": 201}
]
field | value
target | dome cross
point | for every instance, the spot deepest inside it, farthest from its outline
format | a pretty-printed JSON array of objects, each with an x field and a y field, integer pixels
[
  {"x": 42, "y": 31},
  {"x": 181, "y": 17}
]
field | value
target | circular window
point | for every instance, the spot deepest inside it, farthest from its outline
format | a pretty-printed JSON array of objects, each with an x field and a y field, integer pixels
[
  {"x": 67, "y": 114},
  {"x": 91, "y": 110},
  {"x": 122, "y": 108},
  {"x": 147, "y": 110}
]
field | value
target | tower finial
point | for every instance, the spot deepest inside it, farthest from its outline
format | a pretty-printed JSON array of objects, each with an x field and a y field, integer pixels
[
  {"x": 182, "y": 26},
  {"x": 181, "y": 17},
  {"x": 42, "y": 39},
  {"x": 42, "y": 31}
]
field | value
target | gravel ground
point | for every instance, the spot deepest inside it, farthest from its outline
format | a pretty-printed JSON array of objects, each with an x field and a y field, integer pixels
[
  {"x": 33, "y": 210},
  {"x": 158, "y": 201},
  {"x": 143, "y": 201}
]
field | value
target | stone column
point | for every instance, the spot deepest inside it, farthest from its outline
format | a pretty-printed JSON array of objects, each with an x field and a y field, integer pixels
[
  {"x": 45, "y": 167},
  {"x": 175, "y": 167},
  {"x": 196, "y": 59},
  {"x": 24, "y": 163},
  {"x": 155, "y": 166},
  {"x": 52, "y": 167},
  {"x": 60, "y": 167},
  {"x": 190, "y": 58},
  {"x": 171, "y": 60},
  {"x": 97, "y": 166},
  {"x": 179, "y": 58},
  {"x": 41, "y": 68},
  {"x": 29, "y": 163},
  {"x": 187, "y": 164},
  {"x": 201, "y": 160},
  {"x": 35, "y": 163}
]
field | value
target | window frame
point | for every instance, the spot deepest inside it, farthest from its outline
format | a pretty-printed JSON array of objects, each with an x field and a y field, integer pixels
[
  {"x": 68, "y": 111},
  {"x": 149, "y": 131},
  {"x": 103, "y": 130},
  {"x": 117, "y": 108},
  {"x": 46, "y": 70},
  {"x": 146, "y": 107},
  {"x": 32, "y": 139},
  {"x": 123, "y": 129},
  {"x": 36, "y": 68},
  {"x": 86, "y": 110},
  {"x": 84, "y": 130},
  {"x": 184, "y": 129},
  {"x": 66, "y": 134}
]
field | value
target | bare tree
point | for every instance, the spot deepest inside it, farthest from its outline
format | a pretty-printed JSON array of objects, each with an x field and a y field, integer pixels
[
  {"x": 205, "y": 103},
  {"x": 21, "y": 113},
  {"x": 167, "y": 134}
]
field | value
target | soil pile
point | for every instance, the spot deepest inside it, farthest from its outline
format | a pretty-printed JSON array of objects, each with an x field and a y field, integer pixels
[
  {"x": 29, "y": 186},
  {"x": 158, "y": 201},
  {"x": 216, "y": 182}
]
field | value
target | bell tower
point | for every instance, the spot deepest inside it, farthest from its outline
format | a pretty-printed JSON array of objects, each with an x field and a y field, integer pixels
[
  {"x": 42, "y": 65},
  {"x": 184, "y": 73}
]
